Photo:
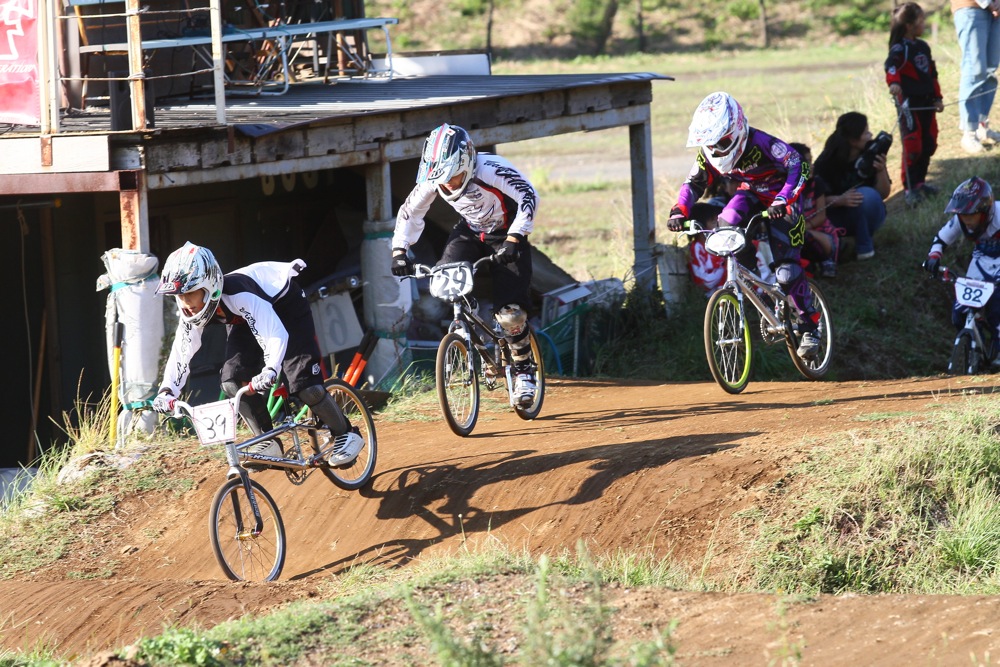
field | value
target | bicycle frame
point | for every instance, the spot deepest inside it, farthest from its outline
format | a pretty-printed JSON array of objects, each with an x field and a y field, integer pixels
[
  {"x": 746, "y": 283},
  {"x": 728, "y": 339},
  {"x": 479, "y": 334},
  {"x": 237, "y": 456},
  {"x": 973, "y": 295}
]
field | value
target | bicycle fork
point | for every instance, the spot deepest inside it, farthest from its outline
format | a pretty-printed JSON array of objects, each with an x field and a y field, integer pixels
[
  {"x": 258, "y": 525},
  {"x": 978, "y": 344}
]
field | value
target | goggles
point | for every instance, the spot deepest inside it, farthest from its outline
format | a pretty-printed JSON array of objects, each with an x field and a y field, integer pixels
[{"x": 723, "y": 146}]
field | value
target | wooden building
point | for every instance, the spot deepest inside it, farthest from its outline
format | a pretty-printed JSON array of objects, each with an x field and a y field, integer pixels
[{"x": 316, "y": 171}]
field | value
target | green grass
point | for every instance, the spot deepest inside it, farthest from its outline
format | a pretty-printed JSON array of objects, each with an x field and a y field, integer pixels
[
  {"x": 908, "y": 508},
  {"x": 903, "y": 503},
  {"x": 75, "y": 488},
  {"x": 585, "y": 223}
]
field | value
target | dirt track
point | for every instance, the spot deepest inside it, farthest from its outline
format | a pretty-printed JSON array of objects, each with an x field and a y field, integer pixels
[{"x": 630, "y": 466}]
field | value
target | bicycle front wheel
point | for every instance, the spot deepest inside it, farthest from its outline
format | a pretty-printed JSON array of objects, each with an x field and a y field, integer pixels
[
  {"x": 358, "y": 472},
  {"x": 531, "y": 411},
  {"x": 964, "y": 359},
  {"x": 817, "y": 366},
  {"x": 457, "y": 384},
  {"x": 244, "y": 553},
  {"x": 727, "y": 342}
]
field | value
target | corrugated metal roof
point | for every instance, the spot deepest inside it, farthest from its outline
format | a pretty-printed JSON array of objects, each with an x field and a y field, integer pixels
[{"x": 308, "y": 102}]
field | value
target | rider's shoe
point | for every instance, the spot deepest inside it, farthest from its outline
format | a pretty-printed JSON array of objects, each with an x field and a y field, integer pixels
[
  {"x": 808, "y": 345},
  {"x": 266, "y": 448},
  {"x": 346, "y": 448},
  {"x": 524, "y": 388}
]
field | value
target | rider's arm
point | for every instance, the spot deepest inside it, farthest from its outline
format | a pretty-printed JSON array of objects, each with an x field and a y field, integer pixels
[
  {"x": 946, "y": 236},
  {"x": 265, "y": 325},
  {"x": 187, "y": 341},
  {"x": 410, "y": 217},
  {"x": 797, "y": 172},
  {"x": 698, "y": 180},
  {"x": 499, "y": 173}
]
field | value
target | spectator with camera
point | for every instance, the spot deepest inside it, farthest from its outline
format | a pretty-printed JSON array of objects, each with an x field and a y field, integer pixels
[{"x": 852, "y": 174}]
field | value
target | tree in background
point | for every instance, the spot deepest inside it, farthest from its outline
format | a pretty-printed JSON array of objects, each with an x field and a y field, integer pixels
[
  {"x": 590, "y": 23},
  {"x": 475, "y": 8}
]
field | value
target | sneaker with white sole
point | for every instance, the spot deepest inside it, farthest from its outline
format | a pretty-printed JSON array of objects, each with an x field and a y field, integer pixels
[
  {"x": 524, "y": 388},
  {"x": 808, "y": 345},
  {"x": 346, "y": 448},
  {"x": 266, "y": 448},
  {"x": 984, "y": 134},
  {"x": 971, "y": 143}
]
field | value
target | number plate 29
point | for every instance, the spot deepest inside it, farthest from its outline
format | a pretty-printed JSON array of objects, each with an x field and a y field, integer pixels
[{"x": 451, "y": 281}]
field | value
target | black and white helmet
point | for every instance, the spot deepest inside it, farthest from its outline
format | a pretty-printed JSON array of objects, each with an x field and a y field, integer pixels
[
  {"x": 191, "y": 268},
  {"x": 448, "y": 152}
]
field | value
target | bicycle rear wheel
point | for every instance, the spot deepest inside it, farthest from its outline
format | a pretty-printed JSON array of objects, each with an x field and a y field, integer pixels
[
  {"x": 357, "y": 473},
  {"x": 243, "y": 553},
  {"x": 727, "y": 342},
  {"x": 531, "y": 411},
  {"x": 457, "y": 384},
  {"x": 815, "y": 368}
]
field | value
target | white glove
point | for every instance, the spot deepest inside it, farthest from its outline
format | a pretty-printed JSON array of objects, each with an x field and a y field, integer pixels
[
  {"x": 263, "y": 380},
  {"x": 164, "y": 402}
]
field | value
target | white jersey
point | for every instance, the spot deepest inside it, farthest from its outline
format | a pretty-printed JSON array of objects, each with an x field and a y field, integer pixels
[
  {"x": 985, "y": 253},
  {"x": 248, "y": 295},
  {"x": 499, "y": 199}
]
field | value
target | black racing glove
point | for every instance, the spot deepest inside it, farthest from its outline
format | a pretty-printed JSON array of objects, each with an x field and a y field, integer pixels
[
  {"x": 401, "y": 265},
  {"x": 778, "y": 209},
  {"x": 677, "y": 219},
  {"x": 510, "y": 251},
  {"x": 932, "y": 265}
]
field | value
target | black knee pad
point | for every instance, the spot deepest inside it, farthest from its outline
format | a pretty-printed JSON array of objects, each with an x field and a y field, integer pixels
[
  {"x": 229, "y": 388},
  {"x": 312, "y": 395},
  {"x": 323, "y": 405}
]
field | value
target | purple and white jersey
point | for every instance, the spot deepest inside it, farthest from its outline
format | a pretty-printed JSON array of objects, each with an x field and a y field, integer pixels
[
  {"x": 499, "y": 199},
  {"x": 768, "y": 169},
  {"x": 248, "y": 295}
]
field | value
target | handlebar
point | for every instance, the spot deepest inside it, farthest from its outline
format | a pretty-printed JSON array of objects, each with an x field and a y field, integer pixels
[
  {"x": 180, "y": 405},
  {"x": 693, "y": 227},
  {"x": 423, "y": 270},
  {"x": 943, "y": 273}
]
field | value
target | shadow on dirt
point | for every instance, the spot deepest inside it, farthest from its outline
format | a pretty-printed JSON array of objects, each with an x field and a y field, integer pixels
[{"x": 450, "y": 487}]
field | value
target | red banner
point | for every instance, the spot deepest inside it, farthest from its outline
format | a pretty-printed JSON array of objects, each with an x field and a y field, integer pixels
[{"x": 19, "y": 62}]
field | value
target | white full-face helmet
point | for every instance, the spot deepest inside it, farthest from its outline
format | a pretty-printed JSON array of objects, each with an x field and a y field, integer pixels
[
  {"x": 720, "y": 128},
  {"x": 187, "y": 269},
  {"x": 448, "y": 152}
]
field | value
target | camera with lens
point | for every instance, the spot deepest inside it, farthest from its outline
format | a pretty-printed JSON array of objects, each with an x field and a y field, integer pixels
[{"x": 877, "y": 146}]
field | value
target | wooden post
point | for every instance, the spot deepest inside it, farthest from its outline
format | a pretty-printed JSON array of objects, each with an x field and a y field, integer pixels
[{"x": 32, "y": 436}]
